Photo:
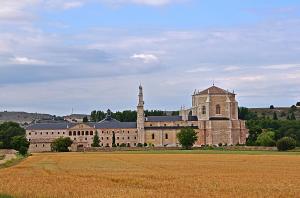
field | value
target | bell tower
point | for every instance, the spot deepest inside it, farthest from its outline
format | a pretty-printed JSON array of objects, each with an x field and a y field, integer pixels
[{"x": 141, "y": 117}]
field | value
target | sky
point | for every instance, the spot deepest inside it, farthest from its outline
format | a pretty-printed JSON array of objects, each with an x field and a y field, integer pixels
[{"x": 59, "y": 55}]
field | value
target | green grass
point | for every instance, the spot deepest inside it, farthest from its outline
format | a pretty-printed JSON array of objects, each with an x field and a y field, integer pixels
[
  {"x": 13, "y": 162},
  {"x": 208, "y": 152},
  {"x": 5, "y": 196}
]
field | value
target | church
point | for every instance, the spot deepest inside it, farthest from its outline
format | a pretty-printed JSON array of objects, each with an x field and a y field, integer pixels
[{"x": 213, "y": 115}]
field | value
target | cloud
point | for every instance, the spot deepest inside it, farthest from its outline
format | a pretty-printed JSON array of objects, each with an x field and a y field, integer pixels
[
  {"x": 232, "y": 68},
  {"x": 26, "y": 61},
  {"x": 281, "y": 66},
  {"x": 72, "y": 4},
  {"x": 199, "y": 69},
  {"x": 146, "y": 58},
  {"x": 14, "y": 11}
]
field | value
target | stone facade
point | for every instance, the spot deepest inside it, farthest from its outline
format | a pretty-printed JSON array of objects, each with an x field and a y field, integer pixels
[{"x": 214, "y": 115}]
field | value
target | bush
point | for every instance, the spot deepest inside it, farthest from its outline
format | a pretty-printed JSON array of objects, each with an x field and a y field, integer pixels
[
  {"x": 145, "y": 144},
  {"x": 61, "y": 144},
  {"x": 266, "y": 138},
  {"x": 286, "y": 143},
  {"x": 139, "y": 145},
  {"x": 123, "y": 145},
  {"x": 20, "y": 143},
  {"x": 220, "y": 144},
  {"x": 187, "y": 137}
]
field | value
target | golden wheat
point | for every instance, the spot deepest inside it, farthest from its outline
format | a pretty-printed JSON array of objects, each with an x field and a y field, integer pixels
[{"x": 94, "y": 175}]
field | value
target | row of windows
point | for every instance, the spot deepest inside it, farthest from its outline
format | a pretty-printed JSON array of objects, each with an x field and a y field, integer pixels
[
  {"x": 166, "y": 125},
  {"x": 123, "y": 138},
  {"x": 47, "y": 133},
  {"x": 74, "y": 133},
  {"x": 107, "y": 145},
  {"x": 117, "y": 132},
  {"x": 153, "y": 136},
  {"x": 218, "y": 109}
]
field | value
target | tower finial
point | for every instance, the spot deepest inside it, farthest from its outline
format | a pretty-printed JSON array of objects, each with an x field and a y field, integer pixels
[{"x": 213, "y": 82}]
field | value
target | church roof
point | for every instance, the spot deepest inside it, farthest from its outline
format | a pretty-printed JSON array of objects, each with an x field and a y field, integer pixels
[
  {"x": 163, "y": 118},
  {"x": 50, "y": 126},
  {"x": 114, "y": 124},
  {"x": 213, "y": 90}
]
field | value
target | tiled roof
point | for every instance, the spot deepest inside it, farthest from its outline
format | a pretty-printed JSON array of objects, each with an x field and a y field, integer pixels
[
  {"x": 114, "y": 124},
  {"x": 213, "y": 90},
  {"x": 52, "y": 126},
  {"x": 163, "y": 118}
]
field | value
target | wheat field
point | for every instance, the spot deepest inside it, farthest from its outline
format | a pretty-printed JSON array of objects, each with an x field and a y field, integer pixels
[{"x": 152, "y": 175}]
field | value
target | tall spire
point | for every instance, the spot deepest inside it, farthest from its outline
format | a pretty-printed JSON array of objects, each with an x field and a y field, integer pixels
[{"x": 141, "y": 98}]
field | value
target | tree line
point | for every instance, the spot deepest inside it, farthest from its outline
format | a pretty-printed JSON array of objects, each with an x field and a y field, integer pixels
[
  {"x": 125, "y": 116},
  {"x": 266, "y": 131}
]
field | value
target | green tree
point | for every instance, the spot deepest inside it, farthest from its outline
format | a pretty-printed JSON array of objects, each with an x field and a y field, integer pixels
[
  {"x": 292, "y": 116},
  {"x": 272, "y": 107},
  {"x": 21, "y": 144},
  {"x": 61, "y": 144},
  {"x": 96, "y": 140},
  {"x": 275, "y": 116},
  {"x": 85, "y": 119},
  {"x": 94, "y": 116},
  {"x": 286, "y": 143},
  {"x": 266, "y": 138},
  {"x": 8, "y": 130},
  {"x": 187, "y": 137}
]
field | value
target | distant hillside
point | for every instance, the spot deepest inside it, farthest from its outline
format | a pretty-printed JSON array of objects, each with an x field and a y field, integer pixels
[
  {"x": 282, "y": 112},
  {"x": 23, "y": 117}
]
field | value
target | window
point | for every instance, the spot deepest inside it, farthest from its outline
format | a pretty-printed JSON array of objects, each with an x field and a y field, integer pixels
[
  {"x": 82, "y": 132},
  {"x": 91, "y": 133},
  {"x": 117, "y": 138},
  {"x": 35, "y": 133},
  {"x": 36, "y": 145},
  {"x": 152, "y": 136},
  {"x": 135, "y": 137},
  {"x": 58, "y": 133},
  {"x": 43, "y": 145},
  {"x": 41, "y": 133},
  {"x": 218, "y": 109},
  {"x": 118, "y": 144},
  {"x": 107, "y": 138},
  {"x": 165, "y": 124},
  {"x": 47, "y": 133},
  {"x": 128, "y": 131},
  {"x": 74, "y": 132},
  {"x": 166, "y": 136},
  {"x": 74, "y": 138},
  {"x": 134, "y": 144},
  {"x": 150, "y": 124},
  {"x": 64, "y": 133},
  {"x": 128, "y": 138},
  {"x": 52, "y": 133},
  {"x": 203, "y": 109},
  {"x": 78, "y": 132},
  {"x": 101, "y": 138},
  {"x": 86, "y": 133},
  {"x": 70, "y": 133},
  {"x": 85, "y": 138},
  {"x": 107, "y": 145},
  {"x": 29, "y": 133}
]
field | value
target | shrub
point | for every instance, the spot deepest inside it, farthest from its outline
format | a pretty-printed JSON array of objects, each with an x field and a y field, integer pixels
[
  {"x": 145, "y": 144},
  {"x": 187, "y": 137},
  {"x": 123, "y": 145},
  {"x": 139, "y": 145},
  {"x": 61, "y": 144},
  {"x": 20, "y": 143},
  {"x": 220, "y": 144},
  {"x": 266, "y": 138},
  {"x": 286, "y": 143}
]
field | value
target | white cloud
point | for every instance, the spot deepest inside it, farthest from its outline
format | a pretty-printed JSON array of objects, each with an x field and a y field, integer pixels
[
  {"x": 11, "y": 10},
  {"x": 146, "y": 58},
  {"x": 72, "y": 4},
  {"x": 26, "y": 61},
  {"x": 199, "y": 69},
  {"x": 232, "y": 68},
  {"x": 281, "y": 66}
]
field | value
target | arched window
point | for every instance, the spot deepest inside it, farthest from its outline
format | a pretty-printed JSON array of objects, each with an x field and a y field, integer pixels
[
  {"x": 166, "y": 136},
  {"x": 152, "y": 136},
  {"x": 203, "y": 109},
  {"x": 218, "y": 109}
]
